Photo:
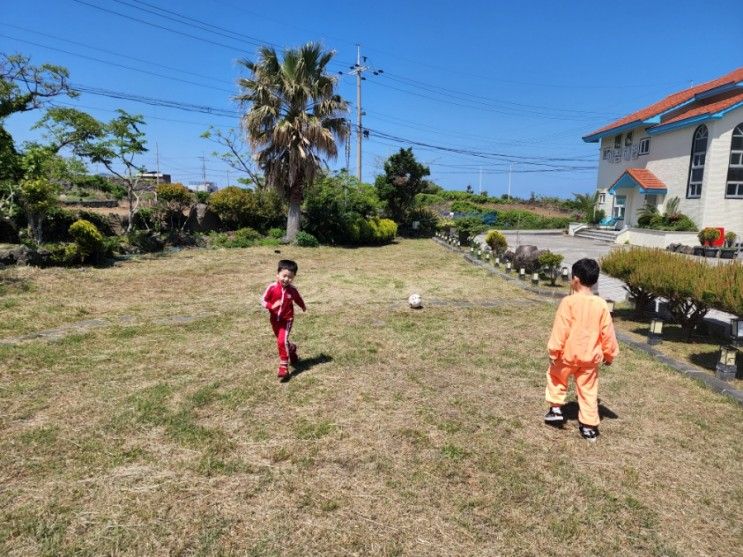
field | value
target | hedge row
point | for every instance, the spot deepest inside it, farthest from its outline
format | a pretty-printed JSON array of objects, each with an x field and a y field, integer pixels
[{"x": 691, "y": 287}]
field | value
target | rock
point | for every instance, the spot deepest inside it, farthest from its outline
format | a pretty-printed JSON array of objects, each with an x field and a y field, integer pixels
[
  {"x": 526, "y": 257},
  {"x": 202, "y": 219},
  {"x": 15, "y": 256}
]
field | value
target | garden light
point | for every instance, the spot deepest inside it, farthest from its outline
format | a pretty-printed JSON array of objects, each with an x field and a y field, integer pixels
[
  {"x": 535, "y": 278},
  {"x": 736, "y": 329},
  {"x": 497, "y": 261},
  {"x": 564, "y": 274},
  {"x": 656, "y": 331},
  {"x": 508, "y": 267},
  {"x": 610, "y": 305},
  {"x": 522, "y": 273},
  {"x": 472, "y": 249},
  {"x": 726, "y": 368},
  {"x": 479, "y": 254}
]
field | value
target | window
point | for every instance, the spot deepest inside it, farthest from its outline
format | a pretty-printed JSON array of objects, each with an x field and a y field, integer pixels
[
  {"x": 628, "y": 139},
  {"x": 696, "y": 168},
  {"x": 602, "y": 198},
  {"x": 618, "y": 141},
  {"x": 607, "y": 154},
  {"x": 644, "y": 146},
  {"x": 735, "y": 169},
  {"x": 619, "y": 204}
]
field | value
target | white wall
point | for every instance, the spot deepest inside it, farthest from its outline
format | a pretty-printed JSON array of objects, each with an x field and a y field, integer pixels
[
  {"x": 717, "y": 209},
  {"x": 656, "y": 238}
]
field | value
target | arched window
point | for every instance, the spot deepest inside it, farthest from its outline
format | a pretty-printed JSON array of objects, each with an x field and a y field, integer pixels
[
  {"x": 735, "y": 170},
  {"x": 696, "y": 169}
]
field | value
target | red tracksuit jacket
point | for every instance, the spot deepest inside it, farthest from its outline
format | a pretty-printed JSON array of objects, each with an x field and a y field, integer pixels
[{"x": 288, "y": 296}]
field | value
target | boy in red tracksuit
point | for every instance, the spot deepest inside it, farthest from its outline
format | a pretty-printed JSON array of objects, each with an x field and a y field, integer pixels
[{"x": 279, "y": 299}]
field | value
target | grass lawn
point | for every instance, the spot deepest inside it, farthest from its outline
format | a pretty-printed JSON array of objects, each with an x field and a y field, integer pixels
[
  {"x": 703, "y": 349},
  {"x": 164, "y": 430}
]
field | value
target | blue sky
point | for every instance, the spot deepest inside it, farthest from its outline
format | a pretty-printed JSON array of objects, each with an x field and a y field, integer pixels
[{"x": 520, "y": 82}]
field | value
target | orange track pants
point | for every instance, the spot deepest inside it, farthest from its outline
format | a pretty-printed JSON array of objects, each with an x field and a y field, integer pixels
[{"x": 586, "y": 385}]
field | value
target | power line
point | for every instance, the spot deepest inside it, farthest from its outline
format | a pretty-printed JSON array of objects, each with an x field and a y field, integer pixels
[
  {"x": 95, "y": 48},
  {"x": 109, "y": 63}
]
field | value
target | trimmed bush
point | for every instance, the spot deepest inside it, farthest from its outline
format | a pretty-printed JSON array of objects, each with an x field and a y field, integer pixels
[
  {"x": 691, "y": 287},
  {"x": 306, "y": 240},
  {"x": 497, "y": 241},
  {"x": 550, "y": 263},
  {"x": 276, "y": 233},
  {"x": 89, "y": 240}
]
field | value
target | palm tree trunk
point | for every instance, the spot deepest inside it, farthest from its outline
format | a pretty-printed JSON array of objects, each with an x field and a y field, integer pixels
[{"x": 292, "y": 219}]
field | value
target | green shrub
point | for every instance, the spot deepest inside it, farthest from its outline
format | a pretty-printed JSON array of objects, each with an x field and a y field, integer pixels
[
  {"x": 469, "y": 227},
  {"x": 334, "y": 206},
  {"x": 89, "y": 240},
  {"x": 526, "y": 220},
  {"x": 465, "y": 207},
  {"x": 63, "y": 254},
  {"x": 708, "y": 235},
  {"x": 550, "y": 263},
  {"x": 247, "y": 235},
  {"x": 306, "y": 240},
  {"x": 145, "y": 241},
  {"x": 277, "y": 233},
  {"x": 730, "y": 238},
  {"x": 691, "y": 287},
  {"x": 426, "y": 199},
  {"x": 241, "y": 238},
  {"x": 238, "y": 207},
  {"x": 427, "y": 222},
  {"x": 497, "y": 241}
]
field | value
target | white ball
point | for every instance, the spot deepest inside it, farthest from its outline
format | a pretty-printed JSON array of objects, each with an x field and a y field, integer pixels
[{"x": 415, "y": 301}]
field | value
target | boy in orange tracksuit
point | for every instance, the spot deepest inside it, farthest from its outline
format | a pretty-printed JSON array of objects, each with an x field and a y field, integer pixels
[{"x": 582, "y": 337}]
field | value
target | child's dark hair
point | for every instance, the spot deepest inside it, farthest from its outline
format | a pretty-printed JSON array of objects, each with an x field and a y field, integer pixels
[
  {"x": 587, "y": 271},
  {"x": 289, "y": 265}
]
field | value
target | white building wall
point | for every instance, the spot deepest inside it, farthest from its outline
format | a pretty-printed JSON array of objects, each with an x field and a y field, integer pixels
[{"x": 719, "y": 210}]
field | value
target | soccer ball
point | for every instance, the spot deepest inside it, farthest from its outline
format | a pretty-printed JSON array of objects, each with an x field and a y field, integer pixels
[{"x": 415, "y": 301}]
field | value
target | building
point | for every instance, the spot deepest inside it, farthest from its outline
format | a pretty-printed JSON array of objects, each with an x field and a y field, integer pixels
[
  {"x": 156, "y": 177},
  {"x": 688, "y": 145},
  {"x": 210, "y": 187}
]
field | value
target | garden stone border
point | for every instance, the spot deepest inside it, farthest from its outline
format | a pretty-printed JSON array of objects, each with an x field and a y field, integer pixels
[{"x": 699, "y": 374}]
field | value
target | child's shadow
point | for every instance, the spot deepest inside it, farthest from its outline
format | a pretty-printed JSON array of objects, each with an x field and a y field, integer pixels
[
  {"x": 306, "y": 364},
  {"x": 570, "y": 411}
]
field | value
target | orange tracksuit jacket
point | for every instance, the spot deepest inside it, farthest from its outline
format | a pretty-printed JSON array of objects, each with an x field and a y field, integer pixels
[{"x": 582, "y": 337}]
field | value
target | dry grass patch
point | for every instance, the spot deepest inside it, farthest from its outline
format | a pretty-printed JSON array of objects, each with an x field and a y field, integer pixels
[{"x": 407, "y": 432}]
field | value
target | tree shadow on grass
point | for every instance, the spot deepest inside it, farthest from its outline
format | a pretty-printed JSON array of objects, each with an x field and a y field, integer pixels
[
  {"x": 305, "y": 364},
  {"x": 570, "y": 411}
]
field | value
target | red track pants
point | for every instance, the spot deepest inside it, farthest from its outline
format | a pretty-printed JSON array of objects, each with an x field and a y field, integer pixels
[{"x": 281, "y": 329}]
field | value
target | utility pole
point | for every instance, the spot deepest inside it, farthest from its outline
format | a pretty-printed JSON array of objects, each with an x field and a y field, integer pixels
[
  {"x": 480, "y": 192},
  {"x": 157, "y": 176},
  {"x": 203, "y": 171},
  {"x": 358, "y": 70},
  {"x": 510, "y": 166}
]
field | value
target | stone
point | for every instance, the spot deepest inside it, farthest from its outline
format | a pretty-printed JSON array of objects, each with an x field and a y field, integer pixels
[
  {"x": 526, "y": 257},
  {"x": 202, "y": 219}
]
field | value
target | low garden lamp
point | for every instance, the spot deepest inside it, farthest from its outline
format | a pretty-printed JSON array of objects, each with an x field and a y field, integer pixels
[
  {"x": 508, "y": 267},
  {"x": 522, "y": 273},
  {"x": 497, "y": 261},
  {"x": 564, "y": 274},
  {"x": 535, "y": 279},
  {"x": 656, "y": 331},
  {"x": 479, "y": 254},
  {"x": 726, "y": 369},
  {"x": 736, "y": 330}
]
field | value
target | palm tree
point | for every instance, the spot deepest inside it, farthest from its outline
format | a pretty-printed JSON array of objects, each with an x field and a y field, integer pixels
[
  {"x": 586, "y": 204},
  {"x": 294, "y": 120}
]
